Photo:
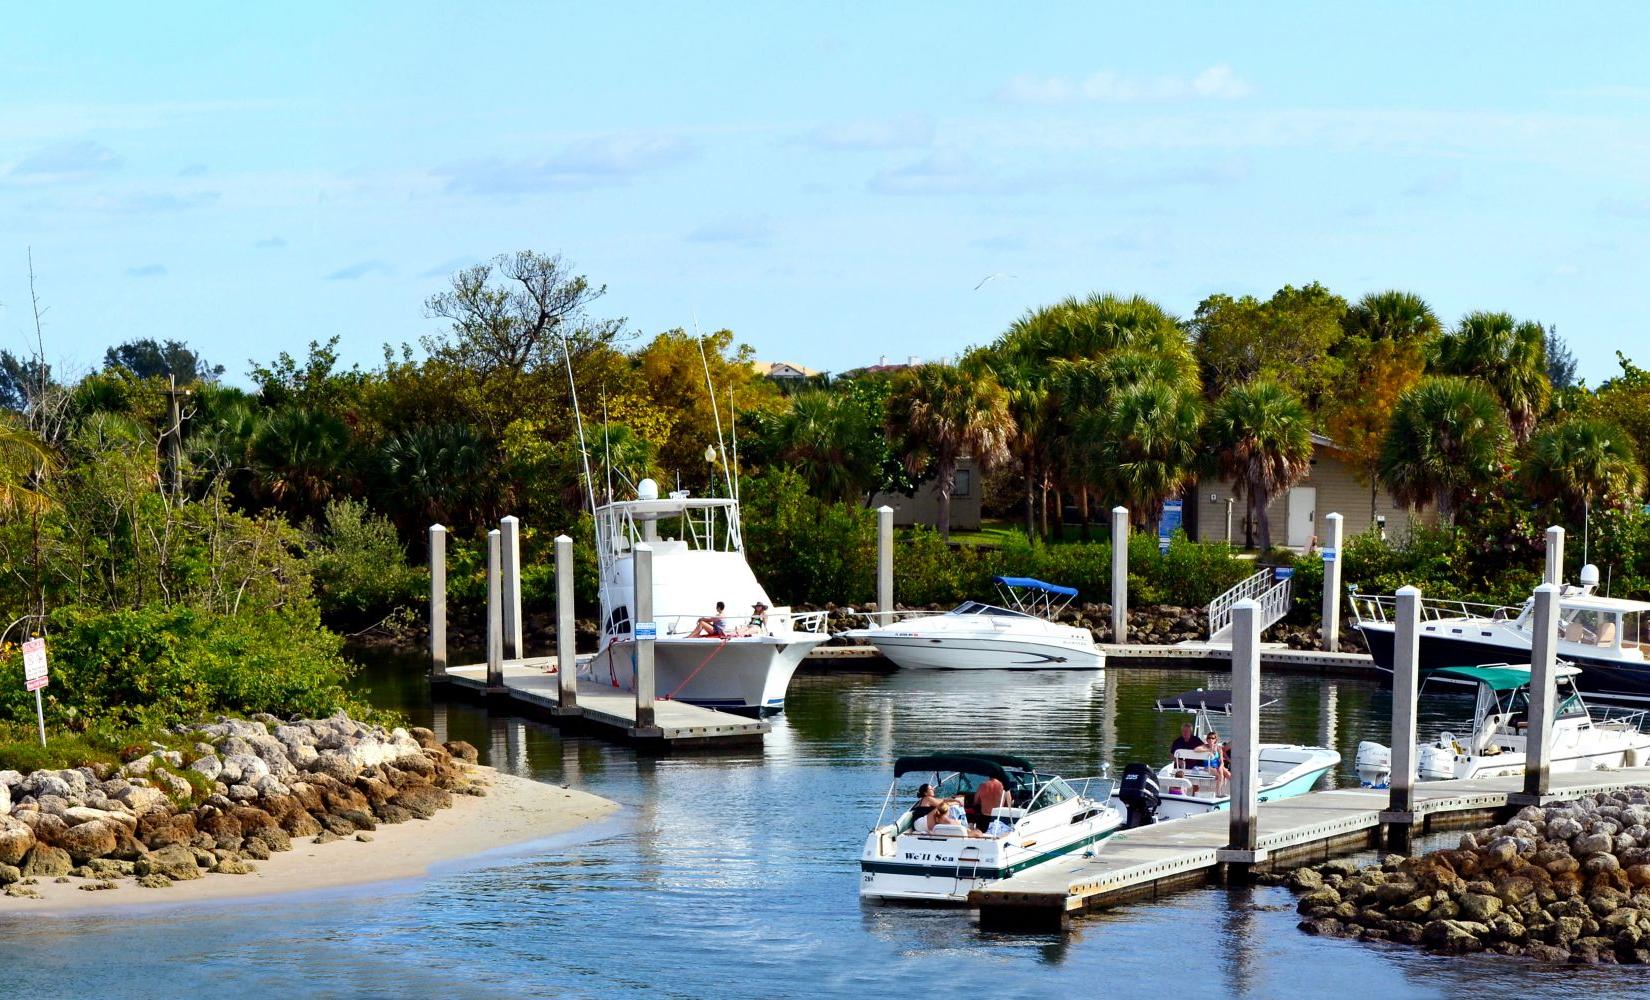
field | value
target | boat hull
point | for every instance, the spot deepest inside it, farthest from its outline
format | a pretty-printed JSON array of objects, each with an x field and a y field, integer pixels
[
  {"x": 748, "y": 675},
  {"x": 981, "y": 653},
  {"x": 1601, "y": 677},
  {"x": 1174, "y": 807}
]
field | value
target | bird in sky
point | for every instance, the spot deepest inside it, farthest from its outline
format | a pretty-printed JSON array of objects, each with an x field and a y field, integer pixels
[{"x": 989, "y": 277}]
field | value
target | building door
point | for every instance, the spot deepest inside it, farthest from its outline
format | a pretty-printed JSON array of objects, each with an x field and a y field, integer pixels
[{"x": 1303, "y": 515}]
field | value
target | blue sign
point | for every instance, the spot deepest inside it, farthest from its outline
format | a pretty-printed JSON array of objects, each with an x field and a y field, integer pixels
[
  {"x": 1282, "y": 573},
  {"x": 1168, "y": 524},
  {"x": 1328, "y": 555},
  {"x": 647, "y": 630}
]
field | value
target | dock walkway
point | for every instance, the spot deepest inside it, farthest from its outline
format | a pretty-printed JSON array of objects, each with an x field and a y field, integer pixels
[
  {"x": 1148, "y": 861},
  {"x": 610, "y": 711}
]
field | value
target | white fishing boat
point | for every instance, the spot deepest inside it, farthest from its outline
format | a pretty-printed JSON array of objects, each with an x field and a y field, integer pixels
[
  {"x": 1192, "y": 784},
  {"x": 1016, "y": 635},
  {"x": 740, "y": 659},
  {"x": 1584, "y": 738},
  {"x": 905, "y": 860}
]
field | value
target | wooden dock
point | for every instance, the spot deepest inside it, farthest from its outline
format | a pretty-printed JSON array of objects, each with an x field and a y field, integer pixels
[
  {"x": 530, "y": 686},
  {"x": 1150, "y": 861},
  {"x": 1190, "y": 655}
]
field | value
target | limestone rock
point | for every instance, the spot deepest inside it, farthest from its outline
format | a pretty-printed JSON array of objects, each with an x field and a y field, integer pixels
[
  {"x": 16, "y": 837},
  {"x": 46, "y": 861},
  {"x": 175, "y": 862},
  {"x": 92, "y": 839}
]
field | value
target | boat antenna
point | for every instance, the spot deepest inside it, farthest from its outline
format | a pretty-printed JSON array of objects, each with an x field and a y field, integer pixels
[
  {"x": 578, "y": 422},
  {"x": 1586, "y": 525},
  {"x": 607, "y": 445},
  {"x": 733, "y": 432},
  {"x": 715, "y": 411}
]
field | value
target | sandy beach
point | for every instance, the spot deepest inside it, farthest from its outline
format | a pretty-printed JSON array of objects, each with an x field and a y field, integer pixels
[{"x": 514, "y": 811}]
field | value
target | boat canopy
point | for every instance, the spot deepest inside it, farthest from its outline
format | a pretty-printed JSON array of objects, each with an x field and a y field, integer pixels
[
  {"x": 992, "y": 765},
  {"x": 1499, "y": 676},
  {"x": 1201, "y": 701},
  {"x": 1029, "y": 583}
]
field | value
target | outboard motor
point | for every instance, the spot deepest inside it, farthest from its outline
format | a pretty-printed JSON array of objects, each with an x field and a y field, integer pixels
[
  {"x": 1140, "y": 794},
  {"x": 1374, "y": 763}
]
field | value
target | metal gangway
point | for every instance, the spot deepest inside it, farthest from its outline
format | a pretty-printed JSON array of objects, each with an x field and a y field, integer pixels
[{"x": 1271, "y": 588}]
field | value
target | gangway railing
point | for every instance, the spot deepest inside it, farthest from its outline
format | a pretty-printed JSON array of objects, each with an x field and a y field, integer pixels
[{"x": 1268, "y": 588}]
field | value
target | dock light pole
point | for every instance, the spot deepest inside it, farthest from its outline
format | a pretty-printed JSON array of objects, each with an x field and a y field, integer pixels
[
  {"x": 1245, "y": 820},
  {"x": 1555, "y": 556},
  {"x": 567, "y": 667},
  {"x": 438, "y": 602},
  {"x": 1538, "y": 743},
  {"x": 1332, "y": 583},
  {"x": 495, "y": 616},
  {"x": 510, "y": 530},
  {"x": 645, "y": 631},
  {"x": 1120, "y": 575},
  {"x": 1406, "y": 679},
  {"x": 885, "y": 564}
]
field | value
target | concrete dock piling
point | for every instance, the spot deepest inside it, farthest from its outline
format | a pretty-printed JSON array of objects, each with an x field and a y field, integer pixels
[
  {"x": 566, "y": 662},
  {"x": 1555, "y": 556},
  {"x": 1120, "y": 575},
  {"x": 645, "y": 631},
  {"x": 1406, "y": 675},
  {"x": 1332, "y": 559},
  {"x": 885, "y": 564},
  {"x": 495, "y": 615},
  {"x": 438, "y": 602},
  {"x": 1245, "y": 780},
  {"x": 1543, "y": 692},
  {"x": 510, "y": 533}
]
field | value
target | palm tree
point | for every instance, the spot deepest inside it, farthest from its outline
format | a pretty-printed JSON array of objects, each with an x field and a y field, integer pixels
[
  {"x": 1448, "y": 435},
  {"x": 1261, "y": 436},
  {"x": 24, "y": 462},
  {"x": 300, "y": 456},
  {"x": 1582, "y": 461},
  {"x": 1511, "y": 358},
  {"x": 1392, "y": 316},
  {"x": 941, "y": 413},
  {"x": 828, "y": 437},
  {"x": 1144, "y": 444},
  {"x": 433, "y": 473}
]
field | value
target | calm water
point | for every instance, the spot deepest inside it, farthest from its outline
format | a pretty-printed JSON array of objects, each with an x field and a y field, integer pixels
[{"x": 735, "y": 876}]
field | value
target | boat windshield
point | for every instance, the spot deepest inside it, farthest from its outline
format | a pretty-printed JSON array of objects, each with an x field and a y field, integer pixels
[{"x": 979, "y": 608}]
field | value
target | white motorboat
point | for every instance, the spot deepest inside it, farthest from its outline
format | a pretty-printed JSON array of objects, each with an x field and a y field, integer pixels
[
  {"x": 979, "y": 636},
  {"x": 1604, "y": 636},
  {"x": 1191, "y": 783},
  {"x": 746, "y": 663},
  {"x": 1583, "y": 738},
  {"x": 1050, "y": 818}
]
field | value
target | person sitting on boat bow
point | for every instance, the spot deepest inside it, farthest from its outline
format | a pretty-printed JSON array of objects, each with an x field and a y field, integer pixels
[
  {"x": 711, "y": 627},
  {"x": 758, "y": 620}
]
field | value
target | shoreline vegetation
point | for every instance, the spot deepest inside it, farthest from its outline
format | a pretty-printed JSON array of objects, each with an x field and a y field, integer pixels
[{"x": 227, "y": 798}]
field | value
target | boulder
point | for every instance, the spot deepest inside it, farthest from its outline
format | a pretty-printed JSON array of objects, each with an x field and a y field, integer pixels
[
  {"x": 176, "y": 862},
  {"x": 92, "y": 839},
  {"x": 1305, "y": 880},
  {"x": 45, "y": 861},
  {"x": 16, "y": 837},
  {"x": 1479, "y": 907},
  {"x": 462, "y": 750},
  {"x": 425, "y": 801},
  {"x": 208, "y": 766},
  {"x": 335, "y": 766},
  {"x": 1454, "y": 935}
]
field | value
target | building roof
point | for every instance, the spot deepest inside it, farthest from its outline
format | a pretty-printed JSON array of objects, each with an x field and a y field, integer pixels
[{"x": 767, "y": 368}]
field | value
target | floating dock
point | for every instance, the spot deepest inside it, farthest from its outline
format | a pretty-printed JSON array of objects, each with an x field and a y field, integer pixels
[
  {"x": 1181, "y": 654},
  {"x": 1151, "y": 861},
  {"x": 532, "y": 686}
]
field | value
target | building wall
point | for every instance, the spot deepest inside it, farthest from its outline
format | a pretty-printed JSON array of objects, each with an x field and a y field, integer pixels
[
  {"x": 1338, "y": 492},
  {"x": 923, "y": 507}
]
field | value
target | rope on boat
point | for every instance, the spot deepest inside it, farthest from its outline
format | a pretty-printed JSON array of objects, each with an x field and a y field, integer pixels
[{"x": 719, "y": 646}]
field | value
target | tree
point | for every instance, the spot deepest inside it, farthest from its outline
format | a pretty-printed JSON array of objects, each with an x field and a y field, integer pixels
[
  {"x": 301, "y": 458},
  {"x": 1625, "y": 401},
  {"x": 148, "y": 358},
  {"x": 432, "y": 475},
  {"x": 1288, "y": 339},
  {"x": 941, "y": 413},
  {"x": 1561, "y": 361},
  {"x": 22, "y": 381},
  {"x": 1509, "y": 356},
  {"x": 1384, "y": 352},
  {"x": 1581, "y": 462},
  {"x": 1261, "y": 437},
  {"x": 1448, "y": 436},
  {"x": 1392, "y": 316},
  {"x": 1144, "y": 444},
  {"x": 831, "y": 441}
]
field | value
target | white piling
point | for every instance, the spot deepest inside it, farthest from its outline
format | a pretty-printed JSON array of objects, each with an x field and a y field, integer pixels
[
  {"x": 566, "y": 653},
  {"x": 495, "y": 616},
  {"x": 1245, "y": 729},
  {"x": 1538, "y": 739},
  {"x": 510, "y": 530},
  {"x": 1406, "y": 678},
  {"x": 1120, "y": 574},
  {"x": 645, "y": 630},
  {"x": 1332, "y": 560},
  {"x": 438, "y": 602},
  {"x": 885, "y": 564},
  {"x": 1555, "y": 556}
]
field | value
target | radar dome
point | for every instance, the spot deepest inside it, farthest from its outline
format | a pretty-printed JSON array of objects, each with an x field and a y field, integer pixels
[
  {"x": 1589, "y": 576},
  {"x": 647, "y": 489}
]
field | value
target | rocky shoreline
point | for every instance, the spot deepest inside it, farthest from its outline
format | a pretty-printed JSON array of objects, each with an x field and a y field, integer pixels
[
  {"x": 220, "y": 798},
  {"x": 1569, "y": 882}
]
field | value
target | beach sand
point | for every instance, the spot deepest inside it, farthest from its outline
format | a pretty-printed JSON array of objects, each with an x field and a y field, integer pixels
[{"x": 514, "y": 811}]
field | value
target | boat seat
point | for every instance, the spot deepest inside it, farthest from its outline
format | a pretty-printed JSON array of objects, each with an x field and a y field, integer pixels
[
  {"x": 944, "y": 830},
  {"x": 1607, "y": 634},
  {"x": 1575, "y": 632}
]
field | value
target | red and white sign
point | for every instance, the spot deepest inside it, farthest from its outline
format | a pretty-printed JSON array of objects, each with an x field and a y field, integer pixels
[{"x": 34, "y": 664}]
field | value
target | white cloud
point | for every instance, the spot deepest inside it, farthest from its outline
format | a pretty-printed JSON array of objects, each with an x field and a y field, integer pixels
[
  {"x": 889, "y": 133},
  {"x": 590, "y": 163},
  {"x": 1217, "y": 83},
  {"x": 66, "y": 161}
]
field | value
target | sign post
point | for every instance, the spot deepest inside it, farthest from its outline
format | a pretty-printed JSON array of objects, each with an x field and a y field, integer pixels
[
  {"x": 34, "y": 678},
  {"x": 1168, "y": 524}
]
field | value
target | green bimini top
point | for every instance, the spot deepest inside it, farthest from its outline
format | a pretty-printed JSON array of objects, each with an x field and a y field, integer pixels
[{"x": 1499, "y": 676}]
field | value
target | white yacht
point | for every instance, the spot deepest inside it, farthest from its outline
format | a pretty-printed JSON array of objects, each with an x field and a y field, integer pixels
[
  {"x": 1191, "y": 784},
  {"x": 1601, "y": 635},
  {"x": 746, "y": 662},
  {"x": 906, "y": 860},
  {"x": 1583, "y": 738},
  {"x": 979, "y": 636}
]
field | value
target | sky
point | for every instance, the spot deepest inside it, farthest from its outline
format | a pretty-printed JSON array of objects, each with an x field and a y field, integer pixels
[{"x": 831, "y": 181}]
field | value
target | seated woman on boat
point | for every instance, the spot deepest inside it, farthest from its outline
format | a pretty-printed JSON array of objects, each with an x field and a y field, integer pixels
[
  {"x": 1217, "y": 761},
  {"x": 711, "y": 626},
  {"x": 927, "y": 802},
  {"x": 950, "y": 813}
]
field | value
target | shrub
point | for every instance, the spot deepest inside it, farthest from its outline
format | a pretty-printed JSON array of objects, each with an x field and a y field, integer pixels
[{"x": 359, "y": 567}]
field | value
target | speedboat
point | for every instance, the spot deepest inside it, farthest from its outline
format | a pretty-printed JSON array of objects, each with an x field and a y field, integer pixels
[
  {"x": 1050, "y": 818},
  {"x": 1583, "y": 738},
  {"x": 698, "y": 560},
  {"x": 1191, "y": 784},
  {"x": 1017, "y": 635},
  {"x": 1601, "y": 635}
]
